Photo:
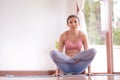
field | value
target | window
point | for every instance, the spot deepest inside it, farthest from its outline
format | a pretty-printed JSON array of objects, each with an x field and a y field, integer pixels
[{"x": 98, "y": 18}]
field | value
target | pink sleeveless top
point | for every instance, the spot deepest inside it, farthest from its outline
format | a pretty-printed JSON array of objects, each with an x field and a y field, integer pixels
[{"x": 73, "y": 45}]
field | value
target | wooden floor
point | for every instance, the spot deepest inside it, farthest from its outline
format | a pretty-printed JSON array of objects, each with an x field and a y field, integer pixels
[{"x": 64, "y": 77}]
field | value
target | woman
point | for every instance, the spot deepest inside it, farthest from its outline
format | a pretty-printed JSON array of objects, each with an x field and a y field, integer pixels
[{"x": 74, "y": 60}]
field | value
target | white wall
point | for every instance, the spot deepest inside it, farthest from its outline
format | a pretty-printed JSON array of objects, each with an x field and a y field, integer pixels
[{"x": 29, "y": 30}]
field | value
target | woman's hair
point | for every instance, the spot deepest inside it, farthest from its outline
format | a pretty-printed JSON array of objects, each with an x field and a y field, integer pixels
[{"x": 71, "y": 17}]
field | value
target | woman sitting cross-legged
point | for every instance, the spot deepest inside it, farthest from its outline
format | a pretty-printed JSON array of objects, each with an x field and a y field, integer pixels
[{"x": 73, "y": 60}]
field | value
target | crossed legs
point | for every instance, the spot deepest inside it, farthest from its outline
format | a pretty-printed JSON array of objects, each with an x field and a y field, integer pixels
[{"x": 69, "y": 65}]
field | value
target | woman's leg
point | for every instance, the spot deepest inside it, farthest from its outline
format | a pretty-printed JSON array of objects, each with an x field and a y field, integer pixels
[
  {"x": 81, "y": 66},
  {"x": 85, "y": 55},
  {"x": 85, "y": 59},
  {"x": 60, "y": 57},
  {"x": 63, "y": 61}
]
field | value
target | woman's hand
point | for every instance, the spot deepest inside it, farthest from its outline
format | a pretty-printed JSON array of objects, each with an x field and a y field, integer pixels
[
  {"x": 57, "y": 72},
  {"x": 76, "y": 60}
]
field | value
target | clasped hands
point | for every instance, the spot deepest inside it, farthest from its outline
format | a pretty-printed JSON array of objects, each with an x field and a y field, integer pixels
[{"x": 76, "y": 60}]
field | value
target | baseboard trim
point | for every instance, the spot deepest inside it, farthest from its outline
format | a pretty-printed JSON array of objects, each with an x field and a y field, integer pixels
[{"x": 25, "y": 73}]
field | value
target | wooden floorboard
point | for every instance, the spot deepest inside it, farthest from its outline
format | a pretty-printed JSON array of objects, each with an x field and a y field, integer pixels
[{"x": 25, "y": 73}]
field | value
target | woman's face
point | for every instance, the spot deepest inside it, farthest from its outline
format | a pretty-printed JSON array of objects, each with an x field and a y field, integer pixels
[{"x": 73, "y": 22}]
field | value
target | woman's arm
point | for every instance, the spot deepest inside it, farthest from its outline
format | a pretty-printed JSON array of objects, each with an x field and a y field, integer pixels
[
  {"x": 57, "y": 72},
  {"x": 85, "y": 42},
  {"x": 60, "y": 48},
  {"x": 61, "y": 43}
]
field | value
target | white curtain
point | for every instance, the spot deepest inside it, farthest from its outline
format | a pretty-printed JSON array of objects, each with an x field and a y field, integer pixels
[{"x": 80, "y": 6}]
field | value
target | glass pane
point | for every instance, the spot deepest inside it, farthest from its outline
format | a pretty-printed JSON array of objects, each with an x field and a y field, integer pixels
[
  {"x": 95, "y": 22},
  {"x": 116, "y": 35}
]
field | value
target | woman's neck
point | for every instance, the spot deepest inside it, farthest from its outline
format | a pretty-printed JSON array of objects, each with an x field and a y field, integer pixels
[{"x": 74, "y": 32}]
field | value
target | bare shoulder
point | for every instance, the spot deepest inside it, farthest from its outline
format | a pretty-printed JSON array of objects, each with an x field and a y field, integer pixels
[
  {"x": 63, "y": 35},
  {"x": 82, "y": 35}
]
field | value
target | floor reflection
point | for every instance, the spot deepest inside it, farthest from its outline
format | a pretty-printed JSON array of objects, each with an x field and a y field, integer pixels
[
  {"x": 72, "y": 78},
  {"x": 68, "y": 77}
]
